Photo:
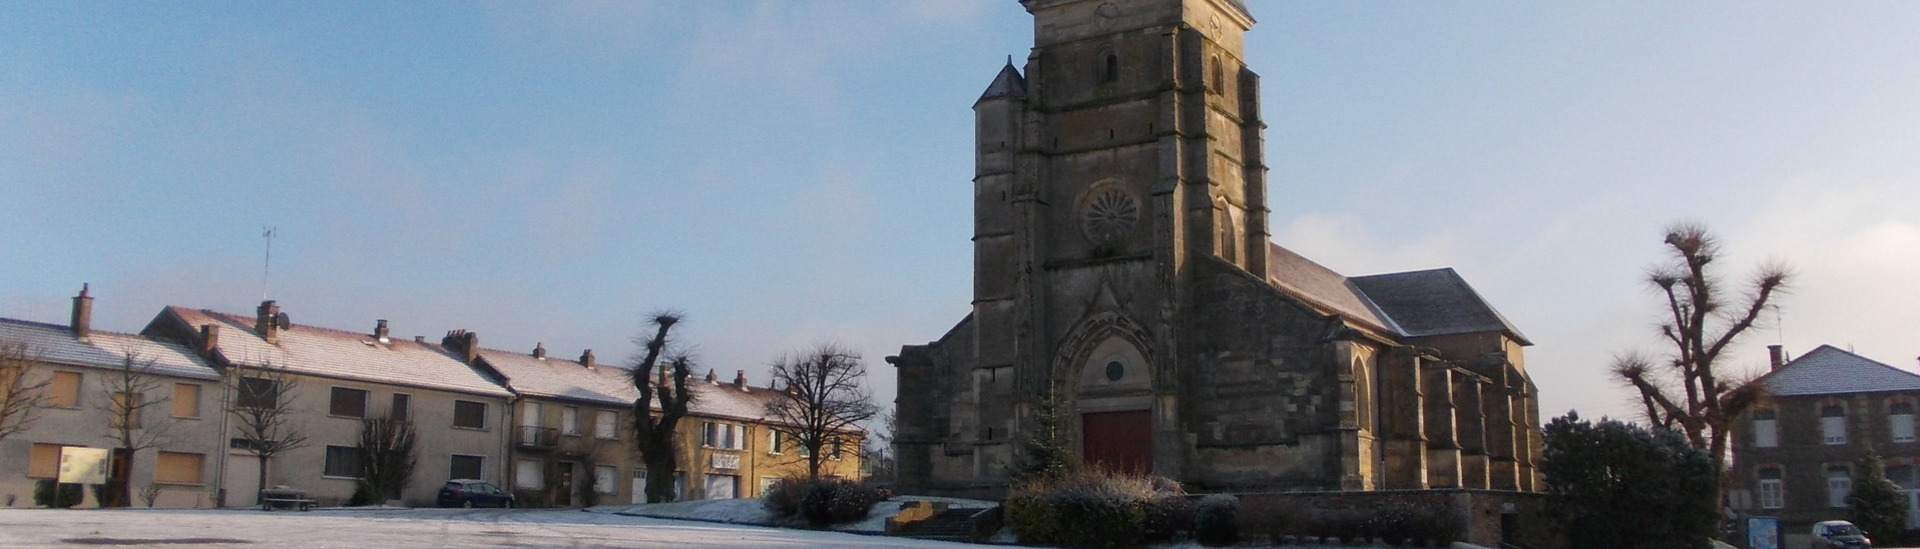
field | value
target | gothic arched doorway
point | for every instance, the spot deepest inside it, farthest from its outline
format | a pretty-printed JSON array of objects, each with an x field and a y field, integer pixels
[{"x": 1113, "y": 396}]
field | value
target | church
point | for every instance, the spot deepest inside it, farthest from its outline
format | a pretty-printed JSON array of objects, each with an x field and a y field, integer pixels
[{"x": 1124, "y": 277}]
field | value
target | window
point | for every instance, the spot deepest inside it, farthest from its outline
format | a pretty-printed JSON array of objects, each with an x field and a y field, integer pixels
[
  {"x": 402, "y": 409},
  {"x": 835, "y": 445},
  {"x": 775, "y": 440},
  {"x": 1833, "y": 424},
  {"x": 1766, "y": 429},
  {"x": 722, "y": 486},
  {"x": 1901, "y": 421},
  {"x": 465, "y": 466},
  {"x": 348, "y": 403},
  {"x": 767, "y": 483},
  {"x": 1112, "y": 74},
  {"x": 186, "y": 400},
  {"x": 1839, "y": 486},
  {"x": 570, "y": 421},
  {"x": 178, "y": 468},
  {"x": 257, "y": 393},
  {"x": 603, "y": 479},
  {"x": 526, "y": 474},
  {"x": 607, "y": 425},
  {"x": 1772, "y": 496},
  {"x": 1219, "y": 81},
  {"x": 45, "y": 461},
  {"x": 469, "y": 414},
  {"x": 342, "y": 462},
  {"x": 126, "y": 410},
  {"x": 64, "y": 390},
  {"x": 724, "y": 436}
]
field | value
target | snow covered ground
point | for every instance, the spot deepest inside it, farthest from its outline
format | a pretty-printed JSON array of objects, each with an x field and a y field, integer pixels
[{"x": 392, "y": 527}]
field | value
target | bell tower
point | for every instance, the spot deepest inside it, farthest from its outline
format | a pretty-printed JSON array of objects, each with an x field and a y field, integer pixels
[{"x": 1129, "y": 146}]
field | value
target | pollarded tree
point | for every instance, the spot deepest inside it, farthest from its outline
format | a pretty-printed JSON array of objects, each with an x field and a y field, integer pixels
[
  {"x": 654, "y": 432},
  {"x": 822, "y": 402},
  {"x": 129, "y": 392},
  {"x": 22, "y": 395},
  {"x": 1688, "y": 389},
  {"x": 263, "y": 414},
  {"x": 1878, "y": 505},
  {"x": 387, "y": 457}
]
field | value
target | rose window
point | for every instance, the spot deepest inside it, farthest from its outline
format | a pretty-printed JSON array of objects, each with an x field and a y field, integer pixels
[{"x": 1110, "y": 216}]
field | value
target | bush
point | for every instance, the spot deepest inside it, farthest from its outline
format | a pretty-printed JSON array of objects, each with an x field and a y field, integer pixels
[
  {"x": 44, "y": 490},
  {"x": 1216, "y": 522},
  {"x": 1168, "y": 514},
  {"x": 820, "y": 502},
  {"x": 1088, "y": 509}
]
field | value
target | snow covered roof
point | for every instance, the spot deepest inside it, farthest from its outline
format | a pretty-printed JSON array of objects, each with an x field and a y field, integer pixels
[
  {"x": 58, "y": 344},
  {"x": 1828, "y": 370},
  {"x": 561, "y": 378},
  {"x": 341, "y": 354}
]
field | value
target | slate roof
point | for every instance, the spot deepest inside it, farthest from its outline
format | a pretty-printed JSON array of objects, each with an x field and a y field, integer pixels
[
  {"x": 1008, "y": 83},
  {"x": 1827, "y": 370},
  {"x": 340, "y": 354},
  {"x": 561, "y": 378},
  {"x": 1434, "y": 302},
  {"x": 1409, "y": 304},
  {"x": 57, "y": 344}
]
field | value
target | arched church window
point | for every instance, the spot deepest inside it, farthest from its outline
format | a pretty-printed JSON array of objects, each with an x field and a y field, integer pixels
[
  {"x": 1113, "y": 67},
  {"x": 1109, "y": 216},
  {"x": 1362, "y": 396},
  {"x": 1219, "y": 81}
]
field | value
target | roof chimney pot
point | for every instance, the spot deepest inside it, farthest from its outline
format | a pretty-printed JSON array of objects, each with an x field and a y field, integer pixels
[
  {"x": 265, "y": 321},
  {"x": 586, "y": 359},
  {"x": 209, "y": 340},
  {"x": 711, "y": 378},
  {"x": 380, "y": 330},
  {"x": 1776, "y": 355},
  {"x": 82, "y": 324},
  {"x": 419, "y": 339},
  {"x": 740, "y": 379},
  {"x": 540, "y": 350}
]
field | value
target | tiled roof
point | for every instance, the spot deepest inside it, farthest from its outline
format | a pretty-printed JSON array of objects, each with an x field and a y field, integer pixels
[
  {"x": 341, "y": 354},
  {"x": 1433, "y": 302},
  {"x": 57, "y": 344},
  {"x": 1322, "y": 287},
  {"x": 1827, "y": 370},
  {"x": 1008, "y": 83},
  {"x": 560, "y": 378}
]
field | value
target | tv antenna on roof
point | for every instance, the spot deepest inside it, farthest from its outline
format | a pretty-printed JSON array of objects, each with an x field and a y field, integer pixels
[{"x": 268, "y": 233}]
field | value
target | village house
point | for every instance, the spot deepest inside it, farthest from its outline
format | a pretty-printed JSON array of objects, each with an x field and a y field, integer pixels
[
  {"x": 1796, "y": 453},
  {"x": 87, "y": 374},
  {"x": 341, "y": 378}
]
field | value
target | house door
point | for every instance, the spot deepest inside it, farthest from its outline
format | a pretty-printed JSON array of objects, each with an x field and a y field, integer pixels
[
  {"x": 1118, "y": 441},
  {"x": 564, "y": 490},
  {"x": 242, "y": 480}
]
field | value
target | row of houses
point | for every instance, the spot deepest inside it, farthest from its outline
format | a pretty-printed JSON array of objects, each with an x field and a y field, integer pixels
[{"x": 556, "y": 431}]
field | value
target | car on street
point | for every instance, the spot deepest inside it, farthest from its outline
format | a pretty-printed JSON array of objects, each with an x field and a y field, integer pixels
[
  {"x": 1839, "y": 534},
  {"x": 473, "y": 493}
]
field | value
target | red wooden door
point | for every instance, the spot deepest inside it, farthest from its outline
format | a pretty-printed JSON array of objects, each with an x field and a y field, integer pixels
[{"x": 1118, "y": 441}]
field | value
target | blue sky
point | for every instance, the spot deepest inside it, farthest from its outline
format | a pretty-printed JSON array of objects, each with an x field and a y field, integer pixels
[{"x": 788, "y": 172}]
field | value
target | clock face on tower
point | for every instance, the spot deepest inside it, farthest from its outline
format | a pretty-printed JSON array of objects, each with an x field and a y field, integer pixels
[{"x": 1109, "y": 216}]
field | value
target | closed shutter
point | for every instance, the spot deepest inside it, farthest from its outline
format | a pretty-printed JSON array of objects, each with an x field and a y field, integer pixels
[
  {"x": 45, "y": 461},
  {"x": 178, "y": 468},
  {"x": 64, "y": 390},
  {"x": 186, "y": 400}
]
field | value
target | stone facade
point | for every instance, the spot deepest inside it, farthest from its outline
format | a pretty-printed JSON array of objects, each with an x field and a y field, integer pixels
[
  {"x": 1122, "y": 264},
  {"x": 1825, "y": 411}
]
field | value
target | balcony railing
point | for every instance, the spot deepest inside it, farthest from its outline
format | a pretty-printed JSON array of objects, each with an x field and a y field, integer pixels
[{"x": 536, "y": 437}]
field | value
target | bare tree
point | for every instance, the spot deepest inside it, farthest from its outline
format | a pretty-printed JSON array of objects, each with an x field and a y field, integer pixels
[
  {"x": 823, "y": 401},
  {"x": 387, "y": 457},
  {"x": 654, "y": 434},
  {"x": 263, "y": 413},
  {"x": 130, "y": 391},
  {"x": 1687, "y": 389},
  {"x": 876, "y": 451},
  {"x": 22, "y": 397}
]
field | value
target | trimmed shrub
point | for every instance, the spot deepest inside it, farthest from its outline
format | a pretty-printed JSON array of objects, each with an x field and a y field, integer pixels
[
  {"x": 820, "y": 502},
  {"x": 1088, "y": 509},
  {"x": 1168, "y": 514},
  {"x": 1216, "y": 520},
  {"x": 44, "y": 492}
]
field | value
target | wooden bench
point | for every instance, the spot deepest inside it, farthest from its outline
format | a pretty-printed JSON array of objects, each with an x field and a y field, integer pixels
[{"x": 285, "y": 498}]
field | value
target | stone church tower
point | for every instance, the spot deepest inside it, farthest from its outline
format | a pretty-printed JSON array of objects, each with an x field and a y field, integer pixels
[{"x": 1123, "y": 270}]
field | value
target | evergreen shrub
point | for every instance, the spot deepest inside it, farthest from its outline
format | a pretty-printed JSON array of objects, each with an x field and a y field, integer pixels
[
  {"x": 1216, "y": 520},
  {"x": 69, "y": 494}
]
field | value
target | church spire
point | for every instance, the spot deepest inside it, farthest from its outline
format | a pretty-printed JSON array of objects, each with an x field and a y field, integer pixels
[{"x": 1008, "y": 83}]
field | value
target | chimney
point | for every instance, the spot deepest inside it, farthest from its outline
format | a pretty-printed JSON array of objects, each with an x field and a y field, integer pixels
[
  {"x": 419, "y": 339},
  {"x": 740, "y": 379},
  {"x": 468, "y": 343},
  {"x": 263, "y": 321},
  {"x": 662, "y": 378},
  {"x": 209, "y": 339},
  {"x": 540, "y": 350},
  {"x": 710, "y": 377},
  {"x": 1776, "y": 355},
  {"x": 586, "y": 359},
  {"x": 380, "y": 330},
  {"x": 83, "y": 313}
]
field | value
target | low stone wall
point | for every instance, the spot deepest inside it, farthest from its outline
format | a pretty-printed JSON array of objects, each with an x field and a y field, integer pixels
[{"x": 1483, "y": 517}]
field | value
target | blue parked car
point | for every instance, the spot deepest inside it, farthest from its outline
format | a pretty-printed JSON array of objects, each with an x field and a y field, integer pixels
[{"x": 474, "y": 493}]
